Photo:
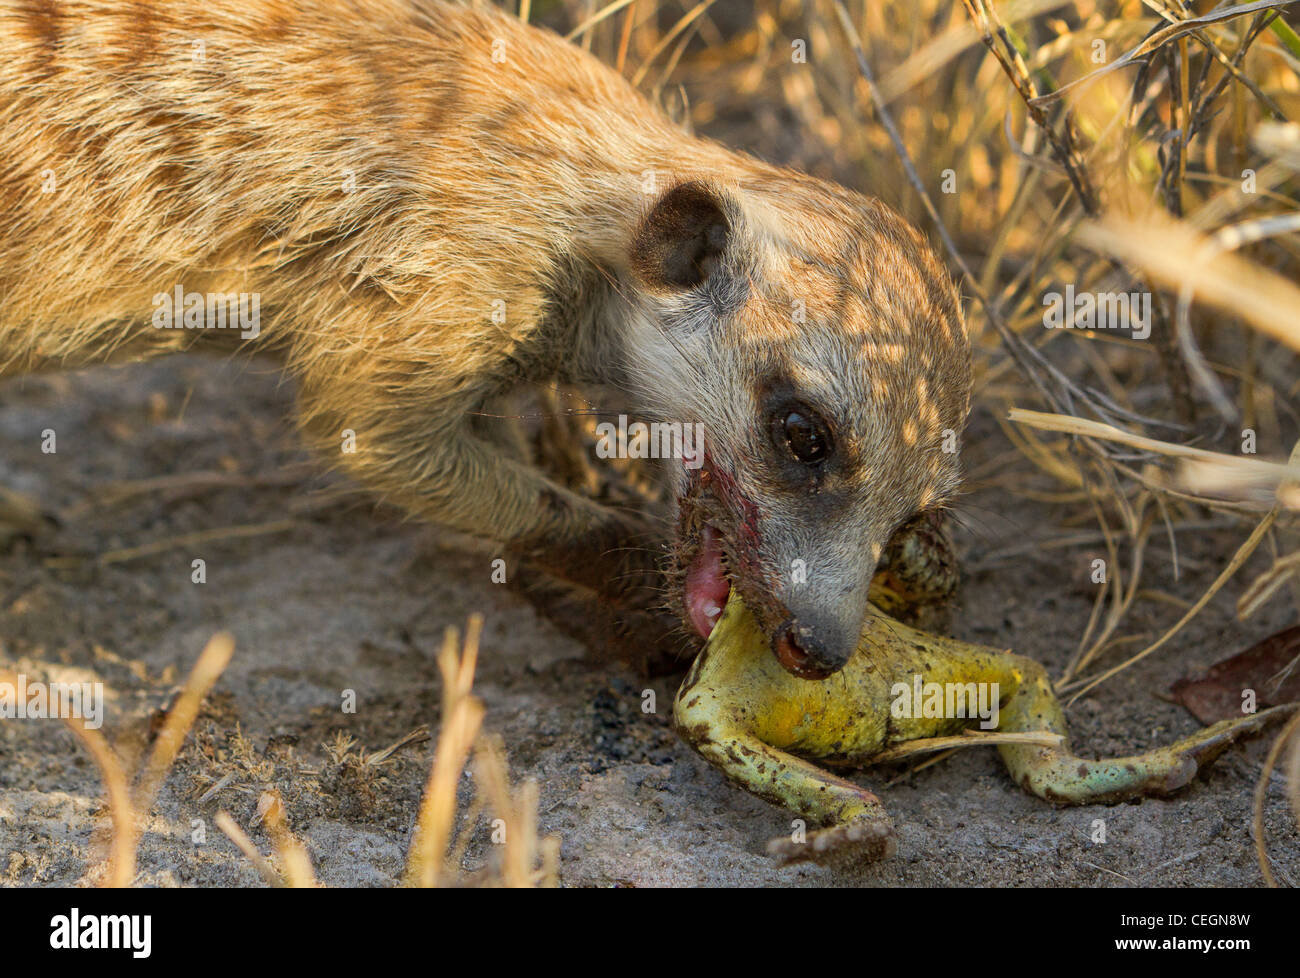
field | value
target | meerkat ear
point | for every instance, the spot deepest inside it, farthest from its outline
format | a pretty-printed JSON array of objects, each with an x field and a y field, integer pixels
[{"x": 680, "y": 243}]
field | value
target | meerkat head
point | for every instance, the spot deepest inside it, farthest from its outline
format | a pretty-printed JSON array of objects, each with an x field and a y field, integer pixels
[{"x": 817, "y": 342}]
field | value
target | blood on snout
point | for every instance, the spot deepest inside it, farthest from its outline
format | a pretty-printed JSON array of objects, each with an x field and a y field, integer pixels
[{"x": 794, "y": 659}]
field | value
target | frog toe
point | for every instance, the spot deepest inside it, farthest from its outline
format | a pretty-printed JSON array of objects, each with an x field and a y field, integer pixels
[{"x": 865, "y": 840}]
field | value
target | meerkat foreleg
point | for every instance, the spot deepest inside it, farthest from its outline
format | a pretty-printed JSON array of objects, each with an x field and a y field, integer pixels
[{"x": 437, "y": 467}]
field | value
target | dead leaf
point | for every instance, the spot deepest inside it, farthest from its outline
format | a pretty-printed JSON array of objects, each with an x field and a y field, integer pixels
[{"x": 1268, "y": 667}]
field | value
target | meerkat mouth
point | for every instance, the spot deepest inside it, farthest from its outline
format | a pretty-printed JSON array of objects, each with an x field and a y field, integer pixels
[{"x": 707, "y": 587}]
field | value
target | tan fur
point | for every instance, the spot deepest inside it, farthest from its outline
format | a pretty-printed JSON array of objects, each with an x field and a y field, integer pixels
[{"x": 381, "y": 181}]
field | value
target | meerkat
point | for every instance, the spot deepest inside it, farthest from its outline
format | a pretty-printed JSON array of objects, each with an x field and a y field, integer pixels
[{"x": 418, "y": 207}]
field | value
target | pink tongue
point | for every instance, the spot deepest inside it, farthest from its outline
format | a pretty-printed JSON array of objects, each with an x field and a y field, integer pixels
[{"x": 706, "y": 585}]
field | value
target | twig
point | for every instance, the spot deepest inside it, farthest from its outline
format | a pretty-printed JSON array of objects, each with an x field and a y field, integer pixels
[
  {"x": 1261, "y": 793},
  {"x": 968, "y": 738},
  {"x": 245, "y": 845}
]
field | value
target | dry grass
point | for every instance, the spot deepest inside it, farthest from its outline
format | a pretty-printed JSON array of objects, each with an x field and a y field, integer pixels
[
  {"x": 128, "y": 806},
  {"x": 436, "y": 852}
]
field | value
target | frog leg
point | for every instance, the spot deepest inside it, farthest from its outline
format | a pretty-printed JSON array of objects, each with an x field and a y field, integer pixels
[
  {"x": 1057, "y": 775},
  {"x": 857, "y": 827}
]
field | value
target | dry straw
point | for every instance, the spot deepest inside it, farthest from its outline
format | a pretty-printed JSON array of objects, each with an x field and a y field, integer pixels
[{"x": 523, "y": 859}]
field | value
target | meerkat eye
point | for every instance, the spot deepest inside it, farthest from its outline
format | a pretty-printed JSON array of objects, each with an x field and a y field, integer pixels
[{"x": 803, "y": 433}]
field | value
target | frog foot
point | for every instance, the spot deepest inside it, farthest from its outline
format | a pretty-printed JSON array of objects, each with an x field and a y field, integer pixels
[
  {"x": 1057, "y": 775},
  {"x": 1185, "y": 759},
  {"x": 864, "y": 840}
]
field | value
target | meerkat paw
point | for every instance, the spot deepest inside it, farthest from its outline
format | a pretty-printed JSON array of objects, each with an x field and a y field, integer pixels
[
  {"x": 918, "y": 574},
  {"x": 861, "y": 841},
  {"x": 652, "y": 642}
]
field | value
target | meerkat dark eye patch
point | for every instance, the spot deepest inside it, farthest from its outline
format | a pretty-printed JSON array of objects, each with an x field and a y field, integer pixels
[{"x": 680, "y": 243}]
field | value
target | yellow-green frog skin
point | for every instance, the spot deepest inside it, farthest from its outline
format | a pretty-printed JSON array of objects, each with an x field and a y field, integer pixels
[{"x": 748, "y": 716}]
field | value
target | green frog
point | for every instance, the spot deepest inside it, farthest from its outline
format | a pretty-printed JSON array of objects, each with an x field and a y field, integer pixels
[{"x": 760, "y": 724}]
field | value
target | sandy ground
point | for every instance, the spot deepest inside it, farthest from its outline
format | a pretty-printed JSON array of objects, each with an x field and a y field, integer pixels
[{"x": 352, "y": 597}]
